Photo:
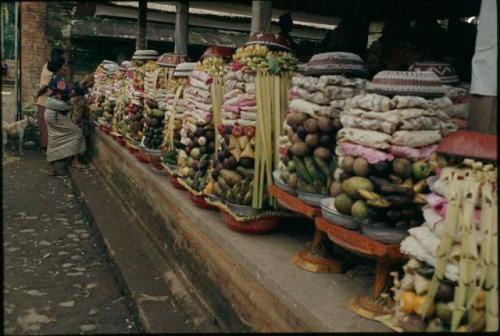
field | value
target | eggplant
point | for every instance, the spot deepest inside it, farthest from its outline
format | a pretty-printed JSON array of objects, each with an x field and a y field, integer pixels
[
  {"x": 203, "y": 165},
  {"x": 230, "y": 163},
  {"x": 394, "y": 215},
  {"x": 221, "y": 155},
  {"x": 380, "y": 224},
  {"x": 247, "y": 163},
  {"x": 198, "y": 132},
  {"x": 326, "y": 140},
  {"x": 375, "y": 213},
  {"x": 210, "y": 135},
  {"x": 402, "y": 225},
  {"x": 301, "y": 132},
  {"x": 211, "y": 146},
  {"x": 382, "y": 168}
]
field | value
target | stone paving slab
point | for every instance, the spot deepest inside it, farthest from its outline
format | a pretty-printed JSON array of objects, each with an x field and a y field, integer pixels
[{"x": 56, "y": 280}]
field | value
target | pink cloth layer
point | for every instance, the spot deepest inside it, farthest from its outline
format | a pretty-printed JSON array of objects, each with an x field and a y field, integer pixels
[{"x": 370, "y": 154}]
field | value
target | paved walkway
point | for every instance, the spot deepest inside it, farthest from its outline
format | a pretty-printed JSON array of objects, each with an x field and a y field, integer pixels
[{"x": 55, "y": 278}]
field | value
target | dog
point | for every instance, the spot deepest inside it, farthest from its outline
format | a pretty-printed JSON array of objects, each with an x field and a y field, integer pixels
[{"x": 15, "y": 132}]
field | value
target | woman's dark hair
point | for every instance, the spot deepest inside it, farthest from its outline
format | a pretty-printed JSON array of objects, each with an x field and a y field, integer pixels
[
  {"x": 55, "y": 64},
  {"x": 57, "y": 52}
]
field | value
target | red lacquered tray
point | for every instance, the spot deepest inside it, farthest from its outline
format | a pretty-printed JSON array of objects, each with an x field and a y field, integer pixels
[
  {"x": 254, "y": 226},
  {"x": 357, "y": 242},
  {"x": 105, "y": 129},
  {"x": 142, "y": 156},
  {"x": 200, "y": 202},
  {"x": 294, "y": 204},
  {"x": 470, "y": 144},
  {"x": 131, "y": 147},
  {"x": 175, "y": 182},
  {"x": 122, "y": 141}
]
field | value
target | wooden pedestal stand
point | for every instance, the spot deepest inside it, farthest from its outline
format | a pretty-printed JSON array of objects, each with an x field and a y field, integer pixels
[
  {"x": 316, "y": 258},
  {"x": 387, "y": 257}
]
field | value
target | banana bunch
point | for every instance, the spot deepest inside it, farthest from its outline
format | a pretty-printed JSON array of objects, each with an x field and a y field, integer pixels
[
  {"x": 213, "y": 65},
  {"x": 250, "y": 51}
]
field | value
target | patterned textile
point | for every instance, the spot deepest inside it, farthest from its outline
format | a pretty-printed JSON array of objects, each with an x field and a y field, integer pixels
[
  {"x": 65, "y": 138},
  {"x": 63, "y": 91}
]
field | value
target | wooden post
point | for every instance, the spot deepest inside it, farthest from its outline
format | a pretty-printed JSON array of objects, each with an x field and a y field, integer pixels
[
  {"x": 182, "y": 28},
  {"x": 362, "y": 27},
  {"x": 141, "y": 40},
  {"x": 483, "y": 104},
  {"x": 261, "y": 16}
]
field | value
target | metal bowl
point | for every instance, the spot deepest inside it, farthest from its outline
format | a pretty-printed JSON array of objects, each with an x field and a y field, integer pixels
[
  {"x": 384, "y": 235},
  {"x": 311, "y": 199},
  {"x": 281, "y": 184},
  {"x": 335, "y": 217},
  {"x": 213, "y": 197},
  {"x": 242, "y": 210}
]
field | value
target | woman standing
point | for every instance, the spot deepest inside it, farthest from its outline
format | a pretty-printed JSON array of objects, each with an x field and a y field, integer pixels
[
  {"x": 65, "y": 138},
  {"x": 41, "y": 99}
]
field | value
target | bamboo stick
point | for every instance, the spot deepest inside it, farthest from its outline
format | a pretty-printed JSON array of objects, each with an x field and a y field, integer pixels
[{"x": 450, "y": 225}]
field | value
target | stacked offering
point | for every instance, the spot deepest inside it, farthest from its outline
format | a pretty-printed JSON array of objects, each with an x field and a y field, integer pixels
[
  {"x": 383, "y": 149},
  {"x": 176, "y": 107},
  {"x": 198, "y": 128},
  {"x": 451, "y": 281},
  {"x": 250, "y": 121},
  {"x": 120, "y": 86},
  {"x": 103, "y": 92},
  {"x": 313, "y": 121},
  {"x": 459, "y": 95},
  {"x": 142, "y": 60}
]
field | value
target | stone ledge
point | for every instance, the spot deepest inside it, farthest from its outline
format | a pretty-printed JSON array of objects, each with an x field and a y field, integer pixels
[{"x": 248, "y": 282}]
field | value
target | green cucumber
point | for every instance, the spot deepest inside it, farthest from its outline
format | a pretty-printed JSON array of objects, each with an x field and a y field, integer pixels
[
  {"x": 313, "y": 172},
  {"x": 301, "y": 170},
  {"x": 323, "y": 167}
]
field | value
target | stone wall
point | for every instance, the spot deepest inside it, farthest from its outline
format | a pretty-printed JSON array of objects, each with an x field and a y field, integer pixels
[
  {"x": 44, "y": 25},
  {"x": 33, "y": 48}
]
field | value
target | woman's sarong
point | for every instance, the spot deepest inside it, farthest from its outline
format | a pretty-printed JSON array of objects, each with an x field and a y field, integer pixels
[{"x": 65, "y": 137}]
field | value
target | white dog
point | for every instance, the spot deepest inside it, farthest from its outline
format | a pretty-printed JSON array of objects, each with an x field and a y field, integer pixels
[{"x": 15, "y": 132}]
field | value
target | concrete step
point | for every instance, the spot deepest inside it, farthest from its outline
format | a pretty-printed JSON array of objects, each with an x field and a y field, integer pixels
[
  {"x": 160, "y": 298},
  {"x": 248, "y": 282}
]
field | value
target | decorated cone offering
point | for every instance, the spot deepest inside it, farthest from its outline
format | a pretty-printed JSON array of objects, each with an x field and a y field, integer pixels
[
  {"x": 313, "y": 121},
  {"x": 198, "y": 125},
  {"x": 384, "y": 148},
  {"x": 121, "y": 109},
  {"x": 135, "y": 92},
  {"x": 103, "y": 92},
  {"x": 457, "y": 92},
  {"x": 176, "y": 108},
  {"x": 451, "y": 280},
  {"x": 154, "y": 116},
  {"x": 252, "y": 115}
]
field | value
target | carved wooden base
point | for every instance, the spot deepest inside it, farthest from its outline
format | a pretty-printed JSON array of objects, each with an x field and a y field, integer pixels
[
  {"x": 367, "y": 307},
  {"x": 317, "y": 258}
]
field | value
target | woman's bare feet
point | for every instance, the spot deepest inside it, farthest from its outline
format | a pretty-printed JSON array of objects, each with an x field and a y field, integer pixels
[{"x": 52, "y": 171}]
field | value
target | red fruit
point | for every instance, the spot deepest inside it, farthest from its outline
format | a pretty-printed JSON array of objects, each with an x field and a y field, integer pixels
[
  {"x": 237, "y": 131},
  {"x": 221, "y": 128},
  {"x": 250, "y": 131}
]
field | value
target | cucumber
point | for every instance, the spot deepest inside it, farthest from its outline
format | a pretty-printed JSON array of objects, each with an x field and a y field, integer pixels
[
  {"x": 301, "y": 170},
  {"x": 323, "y": 167},
  {"x": 313, "y": 172}
]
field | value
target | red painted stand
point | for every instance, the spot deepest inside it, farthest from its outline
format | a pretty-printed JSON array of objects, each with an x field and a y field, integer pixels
[{"x": 387, "y": 257}]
